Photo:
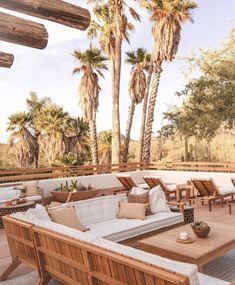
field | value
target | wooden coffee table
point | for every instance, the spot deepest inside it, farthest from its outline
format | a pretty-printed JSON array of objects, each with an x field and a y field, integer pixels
[
  {"x": 220, "y": 240},
  {"x": 6, "y": 210}
]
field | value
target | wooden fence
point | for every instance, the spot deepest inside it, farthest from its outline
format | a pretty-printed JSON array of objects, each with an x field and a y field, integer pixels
[{"x": 19, "y": 175}]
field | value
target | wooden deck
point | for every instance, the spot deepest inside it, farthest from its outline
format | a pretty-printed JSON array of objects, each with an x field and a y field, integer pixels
[{"x": 218, "y": 214}]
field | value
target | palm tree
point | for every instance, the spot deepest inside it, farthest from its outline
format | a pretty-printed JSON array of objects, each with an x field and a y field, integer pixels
[
  {"x": 92, "y": 62},
  {"x": 105, "y": 143},
  {"x": 167, "y": 17},
  {"x": 76, "y": 139},
  {"x": 114, "y": 27},
  {"x": 34, "y": 105},
  {"x": 52, "y": 122},
  {"x": 26, "y": 143},
  {"x": 137, "y": 86}
]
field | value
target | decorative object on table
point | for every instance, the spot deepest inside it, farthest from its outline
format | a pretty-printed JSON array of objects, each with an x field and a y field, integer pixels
[
  {"x": 7, "y": 203},
  {"x": 184, "y": 235},
  {"x": 185, "y": 241},
  {"x": 201, "y": 229},
  {"x": 188, "y": 213},
  {"x": 74, "y": 192}
]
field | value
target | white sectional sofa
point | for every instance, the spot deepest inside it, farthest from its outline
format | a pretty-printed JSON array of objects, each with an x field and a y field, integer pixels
[
  {"x": 96, "y": 240},
  {"x": 8, "y": 193}
]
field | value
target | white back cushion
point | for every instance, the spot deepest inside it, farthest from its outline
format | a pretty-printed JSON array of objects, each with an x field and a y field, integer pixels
[
  {"x": 39, "y": 212},
  {"x": 157, "y": 200},
  {"x": 95, "y": 210}
]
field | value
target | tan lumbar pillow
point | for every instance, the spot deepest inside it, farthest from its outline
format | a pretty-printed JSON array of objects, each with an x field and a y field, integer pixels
[
  {"x": 66, "y": 216},
  {"x": 53, "y": 204},
  {"x": 132, "y": 210},
  {"x": 31, "y": 188}
]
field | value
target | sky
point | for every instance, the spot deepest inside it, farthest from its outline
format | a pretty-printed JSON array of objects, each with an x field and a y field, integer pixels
[{"x": 48, "y": 72}]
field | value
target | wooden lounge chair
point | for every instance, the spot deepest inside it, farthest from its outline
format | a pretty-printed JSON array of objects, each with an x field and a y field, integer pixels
[
  {"x": 73, "y": 261},
  {"x": 128, "y": 183},
  {"x": 20, "y": 240},
  {"x": 168, "y": 189},
  {"x": 209, "y": 191}
]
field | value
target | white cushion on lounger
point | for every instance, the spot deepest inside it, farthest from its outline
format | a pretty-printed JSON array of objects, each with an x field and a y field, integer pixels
[
  {"x": 223, "y": 190},
  {"x": 143, "y": 185},
  {"x": 172, "y": 187},
  {"x": 121, "y": 229},
  {"x": 189, "y": 270},
  {"x": 123, "y": 175},
  {"x": 208, "y": 280}
]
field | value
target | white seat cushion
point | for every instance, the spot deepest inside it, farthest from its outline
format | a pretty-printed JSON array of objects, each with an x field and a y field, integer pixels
[
  {"x": 208, "y": 280},
  {"x": 121, "y": 229},
  {"x": 189, "y": 270},
  {"x": 34, "y": 198},
  {"x": 223, "y": 190}
]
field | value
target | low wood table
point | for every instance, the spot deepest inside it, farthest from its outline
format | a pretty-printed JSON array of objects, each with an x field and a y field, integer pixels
[
  {"x": 6, "y": 210},
  {"x": 220, "y": 240}
]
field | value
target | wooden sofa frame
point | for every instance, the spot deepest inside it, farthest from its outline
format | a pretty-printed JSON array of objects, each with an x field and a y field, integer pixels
[
  {"x": 75, "y": 262},
  {"x": 20, "y": 240},
  {"x": 53, "y": 255}
]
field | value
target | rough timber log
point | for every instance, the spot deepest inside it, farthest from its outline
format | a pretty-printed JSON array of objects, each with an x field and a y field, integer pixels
[
  {"x": 53, "y": 10},
  {"x": 24, "y": 32},
  {"x": 6, "y": 59}
]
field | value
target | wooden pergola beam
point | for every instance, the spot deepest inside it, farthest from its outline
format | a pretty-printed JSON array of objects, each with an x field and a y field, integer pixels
[
  {"x": 24, "y": 32},
  {"x": 54, "y": 10},
  {"x": 6, "y": 59}
]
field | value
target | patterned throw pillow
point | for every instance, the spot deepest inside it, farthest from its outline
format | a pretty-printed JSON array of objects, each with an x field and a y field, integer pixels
[{"x": 141, "y": 199}]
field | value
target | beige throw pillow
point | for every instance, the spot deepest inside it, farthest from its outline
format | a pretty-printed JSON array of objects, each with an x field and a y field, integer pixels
[
  {"x": 132, "y": 210},
  {"x": 66, "y": 216},
  {"x": 31, "y": 188}
]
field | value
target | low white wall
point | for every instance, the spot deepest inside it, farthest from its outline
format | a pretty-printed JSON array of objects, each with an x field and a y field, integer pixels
[
  {"x": 101, "y": 181},
  {"x": 178, "y": 177}
]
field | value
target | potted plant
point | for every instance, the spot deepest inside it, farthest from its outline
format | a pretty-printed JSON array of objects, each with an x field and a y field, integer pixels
[{"x": 74, "y": 192}]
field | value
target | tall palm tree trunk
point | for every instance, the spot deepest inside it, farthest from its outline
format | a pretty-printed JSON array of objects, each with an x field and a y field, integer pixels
[
  {"x": 144, "y": 112},
  {"x": 151, "y": 106},
  {"x": 116, "y": 74},
  {"x": 128, "y": 131},
  {"x": 94, "y": 145}
]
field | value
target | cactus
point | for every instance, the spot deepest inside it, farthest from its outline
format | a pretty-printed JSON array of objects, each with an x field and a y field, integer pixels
[{"x": 75, "y": 186}]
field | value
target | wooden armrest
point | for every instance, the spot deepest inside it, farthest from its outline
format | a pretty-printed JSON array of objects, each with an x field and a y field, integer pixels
[{"x": 178, "y": 204}]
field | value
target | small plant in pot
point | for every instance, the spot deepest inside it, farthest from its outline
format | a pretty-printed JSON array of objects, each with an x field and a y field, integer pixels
[
  {"x": 200, "y": 228},
  {"x": 73, "y": 192}
]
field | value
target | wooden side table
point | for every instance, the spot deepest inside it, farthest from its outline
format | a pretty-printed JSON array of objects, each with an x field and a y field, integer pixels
[
  {"x": 188, "y": 213},
  {"x": 188, "y": 189},
  {"x": 7, "y": 210}
]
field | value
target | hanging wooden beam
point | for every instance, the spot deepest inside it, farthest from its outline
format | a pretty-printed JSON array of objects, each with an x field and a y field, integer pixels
[
  {"x": 54, "y": 10},
  {"x": 6, "y": 59},
  {"x": 24, "y": 32}
]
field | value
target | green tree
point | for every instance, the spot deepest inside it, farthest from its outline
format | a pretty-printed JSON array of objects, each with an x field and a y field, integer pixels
[
  {"x": 113, "y": 27},
  {"x": 92, "y": 63},
  {"x": 166, "y": 17},
  {"x": 105, "y": 144}
]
